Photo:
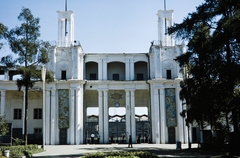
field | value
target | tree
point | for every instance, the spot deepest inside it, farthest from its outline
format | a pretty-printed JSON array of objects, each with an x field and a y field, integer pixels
[
  {"x": 3, "y": 30},
  {"x": 3, "y": 126},
  {"x": 213, "y": 63},
  {"x": 31, "y": 54}
]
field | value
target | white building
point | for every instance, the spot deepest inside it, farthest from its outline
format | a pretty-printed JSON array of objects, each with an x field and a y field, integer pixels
[{"x": 83, "y": 80}]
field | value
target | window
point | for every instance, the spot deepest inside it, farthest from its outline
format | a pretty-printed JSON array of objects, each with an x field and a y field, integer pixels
[
  {"x": 93, "y": 76},
  {"x": 37, "y": 133},
  {"x": 169, "y": 74},
  {"x": 37, "y": 113},
  {"x": 115, "y": 76},
  {"x": 139, "y": 76},
  {"x": 64, "y": 75},
  {"x": 17, "y": 114}
]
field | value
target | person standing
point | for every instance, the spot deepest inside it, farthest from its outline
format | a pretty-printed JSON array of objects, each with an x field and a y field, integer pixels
[
  {"x": 130, "y": 141},
  {"x": 92, "y": 138}
]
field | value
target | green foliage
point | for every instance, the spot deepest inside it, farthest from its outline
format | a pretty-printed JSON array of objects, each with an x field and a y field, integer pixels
[
  {"x": 28, "y": 150},
  {"x": 30, "y": 52},
  {"x": 18, "y": 141},
  {"x": 211, "y": 62},
  {"x": 137, "y": 154},
  {"x": 3, "y": 30},
  {"x": 3, "y": 126}
]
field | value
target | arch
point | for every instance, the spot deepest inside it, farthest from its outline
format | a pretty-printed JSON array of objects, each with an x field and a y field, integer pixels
[
  {"x": 91, "y": 71},
  {"x": 116, "y": 71},
  {"x": 140, "y": 70}
]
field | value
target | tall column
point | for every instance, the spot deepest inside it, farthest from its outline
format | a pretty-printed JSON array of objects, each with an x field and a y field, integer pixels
[
  {"x": 71, "y": 117},
  {"x": 185, "y": 129},
  {"x": 47, "y": 112},
  {"x": 100, "y": 69},
  {"x": 104, "y": 69},
  {"x": 157, "y": 117},
  {"x": 131, "y": 69},
  {"x": 3, "y": 98},
  {"x": 78, "y": 117},
  {"x": 105, "y": 101},
  {"x": 100, "y": 115},
  {"x": 163, "y": 116},
  {"x": 127, "y": 117},
  {"x": 70, "y": 30},
  {"x": 160, "y": 63},
  {"x": 81, "y": 118},
  {"x": 133, "y": 120},
  {"x": 81, "y": 66},
  {"x": 153, "y": 120},
  {"x": 160, "y": 29},
  {"x": 53, "y": 117},
  {"x": 179, "y": 118},
  {"x": 127, "y": 70},
  {"x": 23, "y": 111},
  {"x": 60, "y": 27}
]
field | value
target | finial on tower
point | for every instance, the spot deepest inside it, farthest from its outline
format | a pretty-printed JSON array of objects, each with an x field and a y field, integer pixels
[
  {"x": 65, "y": 19},
  {"x": 165, "y": 7},
  {"x": 65, "y": 5},
  {"x": 165, "y": 20}
]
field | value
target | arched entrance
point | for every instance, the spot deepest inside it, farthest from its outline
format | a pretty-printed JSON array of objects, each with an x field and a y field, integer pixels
[
  {"x": 142, "y": 125},
  {"x": 117, "y": 125}
]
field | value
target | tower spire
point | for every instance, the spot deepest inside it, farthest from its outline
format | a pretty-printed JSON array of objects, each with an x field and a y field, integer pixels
[
  {"x": 165, "y": 8},
  {"x": 66, "y": 19},
  {"x": 165, "y": 5}
]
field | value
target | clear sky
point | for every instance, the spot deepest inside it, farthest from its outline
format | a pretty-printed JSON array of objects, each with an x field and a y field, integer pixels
[{"x": 100, "y": 25}]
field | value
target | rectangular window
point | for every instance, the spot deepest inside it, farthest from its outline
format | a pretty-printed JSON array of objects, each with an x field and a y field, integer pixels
[
  {"x": 64, "y": 75},
  {"x": 169, "y": 74},
  {"x": 116, "y": 77},
  {"x": 37, "y": 113},
  {"x": 17, "y": 114},
  {"x": 139, "y": 76},
  {"x": 37, "y": 133},
  {"x": 93, "y": 76}
]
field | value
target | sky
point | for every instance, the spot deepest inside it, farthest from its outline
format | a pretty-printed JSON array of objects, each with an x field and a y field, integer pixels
[{"x": 104, "y": 26}]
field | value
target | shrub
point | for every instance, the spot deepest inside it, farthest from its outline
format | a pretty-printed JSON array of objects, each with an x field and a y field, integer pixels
[
  {"x": 21, "y": 150},
  {"x": 18, "y": 141}
]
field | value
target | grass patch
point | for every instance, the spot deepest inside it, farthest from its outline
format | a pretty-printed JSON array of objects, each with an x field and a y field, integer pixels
[{"x": 137, "y": 154}]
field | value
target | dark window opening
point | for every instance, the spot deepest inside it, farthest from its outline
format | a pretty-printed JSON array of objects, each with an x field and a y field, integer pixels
[
  {"x": 37, "y": 114},
  {"x": 115, "y": 76},
  {"x": 169, "y": 74},
  {"x": 37, "y": 133},
  {"x": 17, "y": 114},
  {"x": 93, "y": 76},
  {"x": 64, "y": 75},
  {"x": 139, "y": 76}
]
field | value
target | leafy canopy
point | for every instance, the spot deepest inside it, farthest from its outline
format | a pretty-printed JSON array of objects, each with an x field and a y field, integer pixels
[{"x": 211, "y": 61}]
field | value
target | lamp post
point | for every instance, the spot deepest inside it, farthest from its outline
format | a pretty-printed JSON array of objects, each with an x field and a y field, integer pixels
[{"x": 43, "y": 72}]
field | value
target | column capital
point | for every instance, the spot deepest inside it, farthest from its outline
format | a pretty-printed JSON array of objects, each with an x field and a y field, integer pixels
[
  {"x": 130, "y": 89},
  {"x": 3, "y": 93}
]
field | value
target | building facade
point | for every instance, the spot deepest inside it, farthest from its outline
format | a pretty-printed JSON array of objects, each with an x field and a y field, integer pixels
[{"x": 125, "y": 81}]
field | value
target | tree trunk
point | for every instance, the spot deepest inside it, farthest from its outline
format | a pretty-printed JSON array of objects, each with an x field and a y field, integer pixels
[{"x": 26, "y": 116}]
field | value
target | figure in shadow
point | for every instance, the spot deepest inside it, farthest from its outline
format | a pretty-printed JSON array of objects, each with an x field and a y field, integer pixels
[{"x": 130, "y": 142}]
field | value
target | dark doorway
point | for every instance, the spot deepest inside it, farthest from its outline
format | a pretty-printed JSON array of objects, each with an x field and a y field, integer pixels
[
  {"x": 17, "y": 133},
  {"x": 171, "y": 135},
  {"x": 63, "y": 136},
  {"x": 117, "y": 130}
]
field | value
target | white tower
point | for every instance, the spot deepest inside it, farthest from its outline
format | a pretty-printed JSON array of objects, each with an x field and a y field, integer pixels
[
  {"x": 65, "y": 36},
  {"x": 165, "y": 20}
]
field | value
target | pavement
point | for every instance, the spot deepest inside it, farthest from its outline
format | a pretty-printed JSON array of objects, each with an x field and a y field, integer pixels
[{"x": 162, "y": 150}]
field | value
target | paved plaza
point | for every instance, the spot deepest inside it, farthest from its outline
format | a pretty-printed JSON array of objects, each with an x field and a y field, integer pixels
[{"x": 162, "y": 150}]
